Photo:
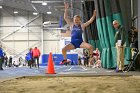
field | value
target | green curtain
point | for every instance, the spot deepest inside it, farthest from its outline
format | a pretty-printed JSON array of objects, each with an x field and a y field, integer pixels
[
  {"x": 91, "y": 33},
  {"x": 107, "y": 11}
]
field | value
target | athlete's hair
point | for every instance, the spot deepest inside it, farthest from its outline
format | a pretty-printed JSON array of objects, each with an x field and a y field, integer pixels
[
  {"x": 30, "y": 49},
  {"x": 77, "y": 16}
]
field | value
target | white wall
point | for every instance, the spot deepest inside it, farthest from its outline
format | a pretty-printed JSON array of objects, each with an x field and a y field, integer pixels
[
  {"x": 19, "y": 40},
  {"x": 51, "y": 41},
  {"x": 30, "y": 35},
  {"x": 25, "y": 37}
]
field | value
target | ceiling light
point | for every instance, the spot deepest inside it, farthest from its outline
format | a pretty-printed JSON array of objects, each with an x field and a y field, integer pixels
[
  {"x": 49, "y": 13},
  {"x": 82, "y": 1},
  {"x": 0, "y": 6},
  {"x": 55, "y": 9},
  {"x": 34, "y": 13},
  {"x": 47, "y": 23},
  {"x": 44, "y": 3},
  {"x": 15, "y": 12}
]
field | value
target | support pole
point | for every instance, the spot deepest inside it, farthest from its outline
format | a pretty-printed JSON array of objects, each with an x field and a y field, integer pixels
[
  {"x": 42, "y": 37},
  {"x": 132, "y": 11},
  {"x": 71, "y": 8},
  {"x": 139, "y": 24}
]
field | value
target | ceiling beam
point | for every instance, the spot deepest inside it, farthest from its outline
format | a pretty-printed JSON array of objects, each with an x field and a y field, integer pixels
[{"x": 56, "y": 1}]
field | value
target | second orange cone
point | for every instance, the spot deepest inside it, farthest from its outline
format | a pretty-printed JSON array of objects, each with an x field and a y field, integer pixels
[{"x": 50, "y": 69}]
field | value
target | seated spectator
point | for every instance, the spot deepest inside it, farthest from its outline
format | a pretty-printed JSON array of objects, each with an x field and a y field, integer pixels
[
  {"x": 16, "y": 63},
  {"x": 97, "y": 63},
  {"x": 86, "y": 57},
  {"x": 96, "y": 53},
  {"x": 79, "y": 60},
  {"x": 133, "y": 37}
]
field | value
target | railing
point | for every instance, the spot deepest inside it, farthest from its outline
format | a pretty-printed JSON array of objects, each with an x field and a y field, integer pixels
[{"x": 14, "y": 52}]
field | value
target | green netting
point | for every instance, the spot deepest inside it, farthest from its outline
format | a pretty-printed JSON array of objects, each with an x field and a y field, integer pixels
[
  {"x": 95, "y": 44},
  {"x": 109, "y": 57},
  {"x": 106, "y": 34},
  {"x": 107, "y": 12}
]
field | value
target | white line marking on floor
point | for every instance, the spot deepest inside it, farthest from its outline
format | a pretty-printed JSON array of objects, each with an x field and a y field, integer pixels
[
  {"x": 69, "y": 69},
  {"x": 83, "y": 68}
]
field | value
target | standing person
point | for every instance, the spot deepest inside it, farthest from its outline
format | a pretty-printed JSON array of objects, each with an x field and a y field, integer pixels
[
  {"x": 6, "y": 60},
  {"x": 10, "y": 61},
  {"x": 79, "y": 61},
  {"x": 86, "y": 57},
  {"x": 120, "y": 42},
  {"x": 76, "y": 33},
  {"x": 36, "y": 55},
  {"x": 29, "y": 58},
  {"x": 96, "y": 54},
  {"x": 1, "y": 57}
]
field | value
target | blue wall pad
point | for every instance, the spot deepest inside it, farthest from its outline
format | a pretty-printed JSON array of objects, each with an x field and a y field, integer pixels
[{"x": 57, "y": 58}]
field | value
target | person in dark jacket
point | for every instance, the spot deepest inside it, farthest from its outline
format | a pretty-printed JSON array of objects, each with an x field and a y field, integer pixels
[
  {"x": 10, "y": 61},
  {"x": 120, "y": 44},
  {"x": 6, "y": 60}
]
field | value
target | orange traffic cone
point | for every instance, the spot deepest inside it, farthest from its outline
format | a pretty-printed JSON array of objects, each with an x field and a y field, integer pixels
[{"x": 50, "y": 69}]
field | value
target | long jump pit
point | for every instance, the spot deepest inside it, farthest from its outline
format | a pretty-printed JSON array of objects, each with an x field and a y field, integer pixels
[{"x": 72, "y": 84}]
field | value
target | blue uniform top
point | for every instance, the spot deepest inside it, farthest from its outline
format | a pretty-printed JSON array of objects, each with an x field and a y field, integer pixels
[
  {"x": 1, "y": 52},
  {"x": 76, "y": 36},
  {"x": 29, "y": 56}
]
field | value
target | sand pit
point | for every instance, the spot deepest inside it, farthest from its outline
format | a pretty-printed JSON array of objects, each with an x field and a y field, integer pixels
[{"x": 104, "y": 84}]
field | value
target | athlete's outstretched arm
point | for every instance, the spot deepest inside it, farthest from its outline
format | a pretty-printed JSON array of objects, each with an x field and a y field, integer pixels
[
  {"x": 89, "y": 21},
  {"x": 66, "y": 14}
]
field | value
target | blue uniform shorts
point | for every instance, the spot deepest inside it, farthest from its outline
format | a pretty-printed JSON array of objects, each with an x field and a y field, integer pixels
[{"x": 76, "y": 43}]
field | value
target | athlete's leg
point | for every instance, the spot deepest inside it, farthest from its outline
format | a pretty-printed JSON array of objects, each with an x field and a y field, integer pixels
[
  {"x": 38, "y": 62},
  {"x": 67, "y": 47},
  {"x": 88, "y": 46}
]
